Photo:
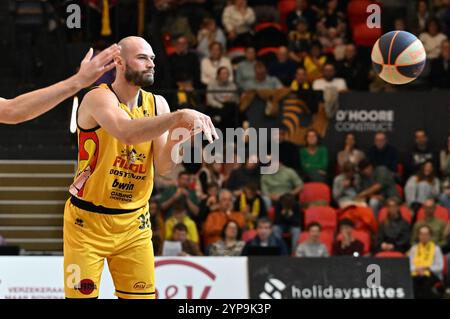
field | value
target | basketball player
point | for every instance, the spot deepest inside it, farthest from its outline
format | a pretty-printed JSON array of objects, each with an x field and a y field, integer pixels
[
  {"x": 122, "y": 132},
  {"x": 30, "y": 105}
]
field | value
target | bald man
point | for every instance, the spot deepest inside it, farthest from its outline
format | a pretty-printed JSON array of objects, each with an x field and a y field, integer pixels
[
  {"x": 30, "y": 105},
  {"x": 123, "y": 134}
]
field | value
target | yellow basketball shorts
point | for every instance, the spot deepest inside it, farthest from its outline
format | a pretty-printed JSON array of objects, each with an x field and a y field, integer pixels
[{"x": 124, "y": 240}]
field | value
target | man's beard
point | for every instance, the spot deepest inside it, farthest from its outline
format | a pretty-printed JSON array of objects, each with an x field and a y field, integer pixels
[{"x": 138, "y": 78}]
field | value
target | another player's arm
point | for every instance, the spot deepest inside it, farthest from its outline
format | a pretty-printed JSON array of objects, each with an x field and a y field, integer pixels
[
  {"x": 30, "y": 105},
  {"x": 99, "y": 107}
]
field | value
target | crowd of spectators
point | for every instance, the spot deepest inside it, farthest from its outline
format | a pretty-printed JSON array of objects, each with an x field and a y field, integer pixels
[{"x": 227, "y": 47}]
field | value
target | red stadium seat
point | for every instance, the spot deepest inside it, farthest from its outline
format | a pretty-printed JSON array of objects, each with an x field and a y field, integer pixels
[
  {"x": 440, "y": 213},
  {"x": 249, "y": 234},
  {"x": 326, "y": 238},
  {"x": 271, "y": 214},
  {"x": 390, "y": 254},
  {"x": 314, "y": 191},
  {"x": 284, "y": 7},
  {"x": 444, "y": 270},
  {"x": 264, "y": 51},
  {"x": 364, "y": 36},
  {"x": 265, "y": 25},
  {"x": 324, "y": 215},
  {"x": 400, "y": 191},
  {"x": 357, "y": 12},
  {"x": 404, "y": 211},
  {"x": 362, "y": 236}
]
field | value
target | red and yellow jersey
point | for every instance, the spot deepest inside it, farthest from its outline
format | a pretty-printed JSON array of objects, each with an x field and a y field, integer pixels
[{"x": 110, "y": 173}]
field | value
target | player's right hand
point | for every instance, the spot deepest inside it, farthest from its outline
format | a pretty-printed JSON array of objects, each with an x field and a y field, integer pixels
[
  {"x": 197, "y": 122},
  {"x": 91, "y": 69}
]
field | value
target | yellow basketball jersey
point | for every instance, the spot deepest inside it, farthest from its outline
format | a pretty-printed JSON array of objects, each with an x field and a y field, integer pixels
[{"x": 112, "y": 174}]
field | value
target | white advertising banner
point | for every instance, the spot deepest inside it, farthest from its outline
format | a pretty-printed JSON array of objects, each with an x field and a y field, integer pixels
[{"x": 176, "y": 277}]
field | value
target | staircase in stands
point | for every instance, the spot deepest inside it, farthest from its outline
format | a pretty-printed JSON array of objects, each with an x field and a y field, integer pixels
[{"x": 32, "y": 198}]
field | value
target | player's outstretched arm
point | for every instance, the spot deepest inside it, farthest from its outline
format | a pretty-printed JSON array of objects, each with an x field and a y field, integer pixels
[
  {"x": 30, "y": 105},
  {"x": 99, "y": 107}
]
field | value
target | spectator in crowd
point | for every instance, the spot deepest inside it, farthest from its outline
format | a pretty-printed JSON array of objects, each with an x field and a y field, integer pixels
[
  {"x": 188, "y": 247},
  {"x": 179, "y": 215},
  {"x": 312, "y": 247},
  {"x": 285, "y": 180},
  {"x": 445, "y": 159},
  {"x": 350, "y": 153},
  {"x": 2, "y": 241},
  {"x": 217, "y": 220},
  {"x": 238, "y": 19},
  {"x": 432, "y": 39},
  {"x": 186, "y": 96},
  {"x": 289, "y": 154},
  {"x": 180, "y": 192},
  {"x": 222, "y": 99},
  {"x": 382, "y": 153},
  {"x": 421, "y": 153},
  {"x": 302, "y": 11},
  {"x": 426, "y": 263},
  {"x": 436, "y": 225},
  {"x": 345, "y": 185},
  {"x": 422, "y": 186},
  {"x": 262, "y": 79},
  {"x": 211, "y": 64},
  {"x": 210, "y": 173},
  {"x": 393, "y": 232},
  {"x": 332, "y": 17},
  {"x": 444, "y": 198},
  {"x": 440, "y": 68},
  {"x": 314, "y": 62},
  {"x": 245, "y": 70},
  {"x": 329, "y": 79},
  {"x": 184, "y": 63},
  {"x": 420, "y": 20},
  {"x": 400, "y": 24},
  {"x": 208, "y": 204},
  {"x": 314, "y": 158},
  {"x": 243, "y": 175},
  {"x": 265, "y": 238},
  {"x": 283, "y": 68},
  {"x": 288, "y": 218},
  {"x": 250, "y": 204},
  {"x": 346, "y": 244},
  {"x": 300, "y": 82},
  {"x": 299, "y": 40},
  {"x": 377, "y": 183},
  {"x": 157, "y": 224},
  {"x": 332, "y": 42},
  {"x": 231, "y": 243},
  {"x": 209, "y": 32},
  {"x": 352, "y": 70}
]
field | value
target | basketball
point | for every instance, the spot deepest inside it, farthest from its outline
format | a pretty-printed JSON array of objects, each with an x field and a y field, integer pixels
[{"x": 398, "y": 57}]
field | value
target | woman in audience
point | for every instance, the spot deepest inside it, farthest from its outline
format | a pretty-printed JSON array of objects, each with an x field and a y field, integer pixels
[
  {"x": 432, "y": 39},
  {"x": 314, "y": 158},
  {"x": 211, "y": 64},
  {"x": 231, "y": 243},
  {"x": 422, "y": 186},
  {"x": 350, "y": 153}
]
